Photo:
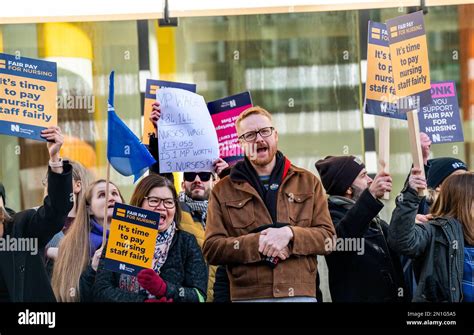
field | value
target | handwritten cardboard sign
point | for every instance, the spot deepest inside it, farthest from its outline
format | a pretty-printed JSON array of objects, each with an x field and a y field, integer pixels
[
  {"x": 152, "y": 86},
  {"x": 187, "y": 139}
]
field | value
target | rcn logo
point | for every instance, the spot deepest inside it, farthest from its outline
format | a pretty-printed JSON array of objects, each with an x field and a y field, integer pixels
[
  {"x": 123, "y": 267},
  {"x": 15, "y": 128}
]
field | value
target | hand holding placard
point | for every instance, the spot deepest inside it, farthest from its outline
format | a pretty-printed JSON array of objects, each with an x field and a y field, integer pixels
[
  {"x": 417, "y": 180},
  {"x": 152, "y": 282},
  {"x": 155, "y": 115},
  {"x": 381, "y": 185},
  {"x": 425, "y": 147}
]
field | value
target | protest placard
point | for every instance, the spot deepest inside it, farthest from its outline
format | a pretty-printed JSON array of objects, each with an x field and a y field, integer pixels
[
  {"x": 132, "y": 239},
  {"x": 409, "y": 58},
  {"x": 411, "y": 74},
  {"x": 187, "y": 139},
  {"x": 380, "y": 96},
  {"x": 28, "y": 92},
  {"x": 441, "y": 120},
  {"x": 152, "y": 86},
  {"x": 224, "y": 112}
]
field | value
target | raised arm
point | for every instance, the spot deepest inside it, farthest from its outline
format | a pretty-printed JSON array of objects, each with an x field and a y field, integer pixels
[
  {"x": 405, "y": 236},
  {"x": 50, "y": 217}
]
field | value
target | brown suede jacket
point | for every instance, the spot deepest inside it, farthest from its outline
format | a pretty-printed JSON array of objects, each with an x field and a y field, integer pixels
[{"x": 235, "y": 209}]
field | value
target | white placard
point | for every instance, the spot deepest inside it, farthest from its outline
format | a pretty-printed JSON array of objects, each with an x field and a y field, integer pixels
[{"x": 187, "y": 139}]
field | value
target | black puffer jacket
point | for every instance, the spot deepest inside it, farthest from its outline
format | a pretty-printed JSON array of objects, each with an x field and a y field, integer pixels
[
  {"x": 184, "y": 272},
  {"x": 373, "y": 273}
]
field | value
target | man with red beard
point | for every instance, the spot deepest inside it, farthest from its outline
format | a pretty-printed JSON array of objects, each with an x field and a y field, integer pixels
[{"x": 267, "y": 220}]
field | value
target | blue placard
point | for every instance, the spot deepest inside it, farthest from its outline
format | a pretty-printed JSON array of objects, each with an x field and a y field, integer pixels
[
  {"x": 231, "y": 102},
  {"x": 28, "y": 67},
  {"x": 152, "y": 85},
  {"x": 28, "y": 94}
]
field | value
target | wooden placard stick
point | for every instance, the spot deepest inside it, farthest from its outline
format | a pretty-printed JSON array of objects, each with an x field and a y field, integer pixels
[
  {"x": 415, "y": 145},
  {"x": 384, "y": 148}
]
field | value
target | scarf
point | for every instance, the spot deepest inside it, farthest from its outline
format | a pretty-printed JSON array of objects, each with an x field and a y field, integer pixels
[
  {"x": 95, "y": 236},
  {"x": 163, "y": 242},
  {"x": 198, "y": 207},
  {"x": 244, "y": 171}
]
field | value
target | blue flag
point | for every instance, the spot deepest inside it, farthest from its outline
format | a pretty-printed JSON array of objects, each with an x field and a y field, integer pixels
[{"x": 125, "y": 152}]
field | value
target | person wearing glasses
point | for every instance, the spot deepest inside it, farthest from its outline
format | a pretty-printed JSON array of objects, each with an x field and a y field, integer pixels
[
  {"x": 193, "y": 200},
  {"x": 179, "y": 271},
  {"x": 267, "y": 220}
]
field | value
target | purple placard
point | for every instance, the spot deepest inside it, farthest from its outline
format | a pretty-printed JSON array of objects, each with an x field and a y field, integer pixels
[{"x": 441, "y": 120}]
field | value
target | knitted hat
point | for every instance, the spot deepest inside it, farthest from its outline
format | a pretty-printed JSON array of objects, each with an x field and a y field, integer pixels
[
  {"x": 338, "y": 172},
  {"x": 441, "y": 168}
]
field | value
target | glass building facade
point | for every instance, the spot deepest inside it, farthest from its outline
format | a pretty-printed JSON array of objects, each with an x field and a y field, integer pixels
[{"x": 307, "y": 69}]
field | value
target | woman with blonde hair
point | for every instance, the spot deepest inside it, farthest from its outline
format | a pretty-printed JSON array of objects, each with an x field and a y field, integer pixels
[
  {"x": 443, "y": 247},
  {"x": 79, "y": 250},
  {"x": 81, "y": 179}
]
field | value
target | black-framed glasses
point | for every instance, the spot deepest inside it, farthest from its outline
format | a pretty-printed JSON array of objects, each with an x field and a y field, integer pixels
[
  {"x": 168, "y": 203},
  {"x": 191, "y": 176},
  {"x": 252, "y": 135}
]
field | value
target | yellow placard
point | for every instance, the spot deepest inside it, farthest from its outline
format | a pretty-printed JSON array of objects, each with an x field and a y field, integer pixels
[
  {"x": 411, "y": 66},
  {"x": 131, "y": 244},
  {"x": 132, "y": 239}
]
